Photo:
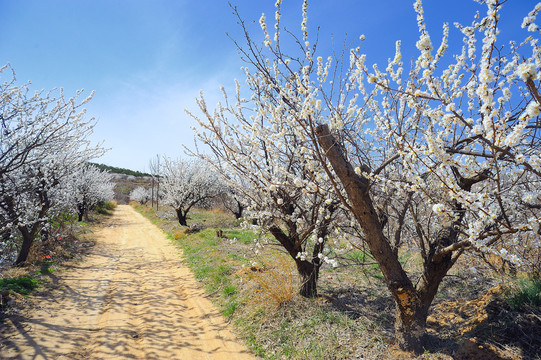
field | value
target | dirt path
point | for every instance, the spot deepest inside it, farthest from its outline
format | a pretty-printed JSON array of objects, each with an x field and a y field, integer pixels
[{"x": 132, "y": 298}]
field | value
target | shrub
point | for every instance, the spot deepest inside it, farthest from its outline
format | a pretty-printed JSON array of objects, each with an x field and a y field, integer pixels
[
  {"x": 104, "y": 207},
  {"x": 276, "y": 283}
]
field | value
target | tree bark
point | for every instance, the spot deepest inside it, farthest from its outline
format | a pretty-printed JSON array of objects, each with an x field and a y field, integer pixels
[
  {"x": 309, "y": 274},
  {"x": 29, "y": 234},
  {"x": 238, "y": 214},
  {"x": 80, "y": 212}
]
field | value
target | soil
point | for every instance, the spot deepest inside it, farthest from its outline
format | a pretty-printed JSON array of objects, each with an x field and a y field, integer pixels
[{"x": 131, "y": 298}]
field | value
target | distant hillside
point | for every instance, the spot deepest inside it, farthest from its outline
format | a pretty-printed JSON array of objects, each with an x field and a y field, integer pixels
[{"x": 117, "y": 170}]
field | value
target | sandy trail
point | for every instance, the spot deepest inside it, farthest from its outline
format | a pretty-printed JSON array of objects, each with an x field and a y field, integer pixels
[{"x": 132, "y": 298}]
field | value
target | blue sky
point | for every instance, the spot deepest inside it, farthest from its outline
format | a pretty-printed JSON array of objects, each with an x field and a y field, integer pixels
[{"x": 147, "y": 60}]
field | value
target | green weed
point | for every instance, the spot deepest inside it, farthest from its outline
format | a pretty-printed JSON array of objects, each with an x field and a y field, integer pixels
[
  {"x": 23, "y": 285},
  {"x": 528, "y": 292}
]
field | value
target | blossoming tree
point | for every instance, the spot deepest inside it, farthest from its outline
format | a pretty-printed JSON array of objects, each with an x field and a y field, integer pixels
[
  {"x": 233, "y": 202},
  {"x": 44, "y": 139},
  {"x": 287, "y": 194},
  {"x": 463, "y": 154},
  {"x": 141, "y": 195},
  {"x": 90, "y": 186},
  {"x": 443, "y": 156},
  {"x": 186, "y": 184}
]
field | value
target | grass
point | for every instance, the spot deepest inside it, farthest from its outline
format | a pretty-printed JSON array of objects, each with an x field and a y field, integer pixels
[
  {"x": 526, "y": 292},
  {"x": 258, "y": 293},
  {"x": 23, "y": 285},
  {"x": 351, "y": 318},
  {"x": 275, "y": 280}
]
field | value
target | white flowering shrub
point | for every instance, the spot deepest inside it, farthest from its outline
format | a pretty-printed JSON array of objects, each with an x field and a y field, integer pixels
[
  {"x": 443, "y": 156},
  {"x": 141, "y": 195},
  {"x": 186, "y": 184},
  {"x": 43, "y": 141}
]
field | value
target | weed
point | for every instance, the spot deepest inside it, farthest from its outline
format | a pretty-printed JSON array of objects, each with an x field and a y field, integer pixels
[
  {"x": 179, "y": 235},
  {"x": 242, "y": 236},
  {"x": 230, "y": 308},
  {"x": 359, "y": 256},
  {"x": 22, "y": 285},
  {"x": 229, "y": 290}
]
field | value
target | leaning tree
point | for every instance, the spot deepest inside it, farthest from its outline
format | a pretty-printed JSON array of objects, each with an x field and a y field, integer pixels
[{"x": 463, "y": 157}]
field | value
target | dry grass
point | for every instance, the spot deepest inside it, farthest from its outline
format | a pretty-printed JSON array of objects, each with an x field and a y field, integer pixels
[{"x": 275, "y": 281}]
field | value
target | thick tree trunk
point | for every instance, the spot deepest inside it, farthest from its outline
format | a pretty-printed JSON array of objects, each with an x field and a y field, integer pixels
[
  {"x": 182, "y": 217},
  {"x": 410, "y": 323},
  {"x": 309, "y": 274}
]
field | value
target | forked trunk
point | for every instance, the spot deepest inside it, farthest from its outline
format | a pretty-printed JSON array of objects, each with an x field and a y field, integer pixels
[
  {"x": 182, "y": 217},
  {"x": 309, "y": 272},
  {"x": 410, "y": 320},
  {"x": 412, "y": 302}
]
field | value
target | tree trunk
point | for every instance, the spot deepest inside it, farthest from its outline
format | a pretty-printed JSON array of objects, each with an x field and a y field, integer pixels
[
  {"x": 309, "y": 275},
  {"x": 28, "y": 239},
  {"x": 238, "y": 214},
  {"x": 80, "y": 212},
  {"x": 30, "y": 234},
  {"x": 410, "y": 314},
  {"x": 182, "y": 217},
  {"x": 410, "y": 322},
  {"x": 308, "y": 272}
]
